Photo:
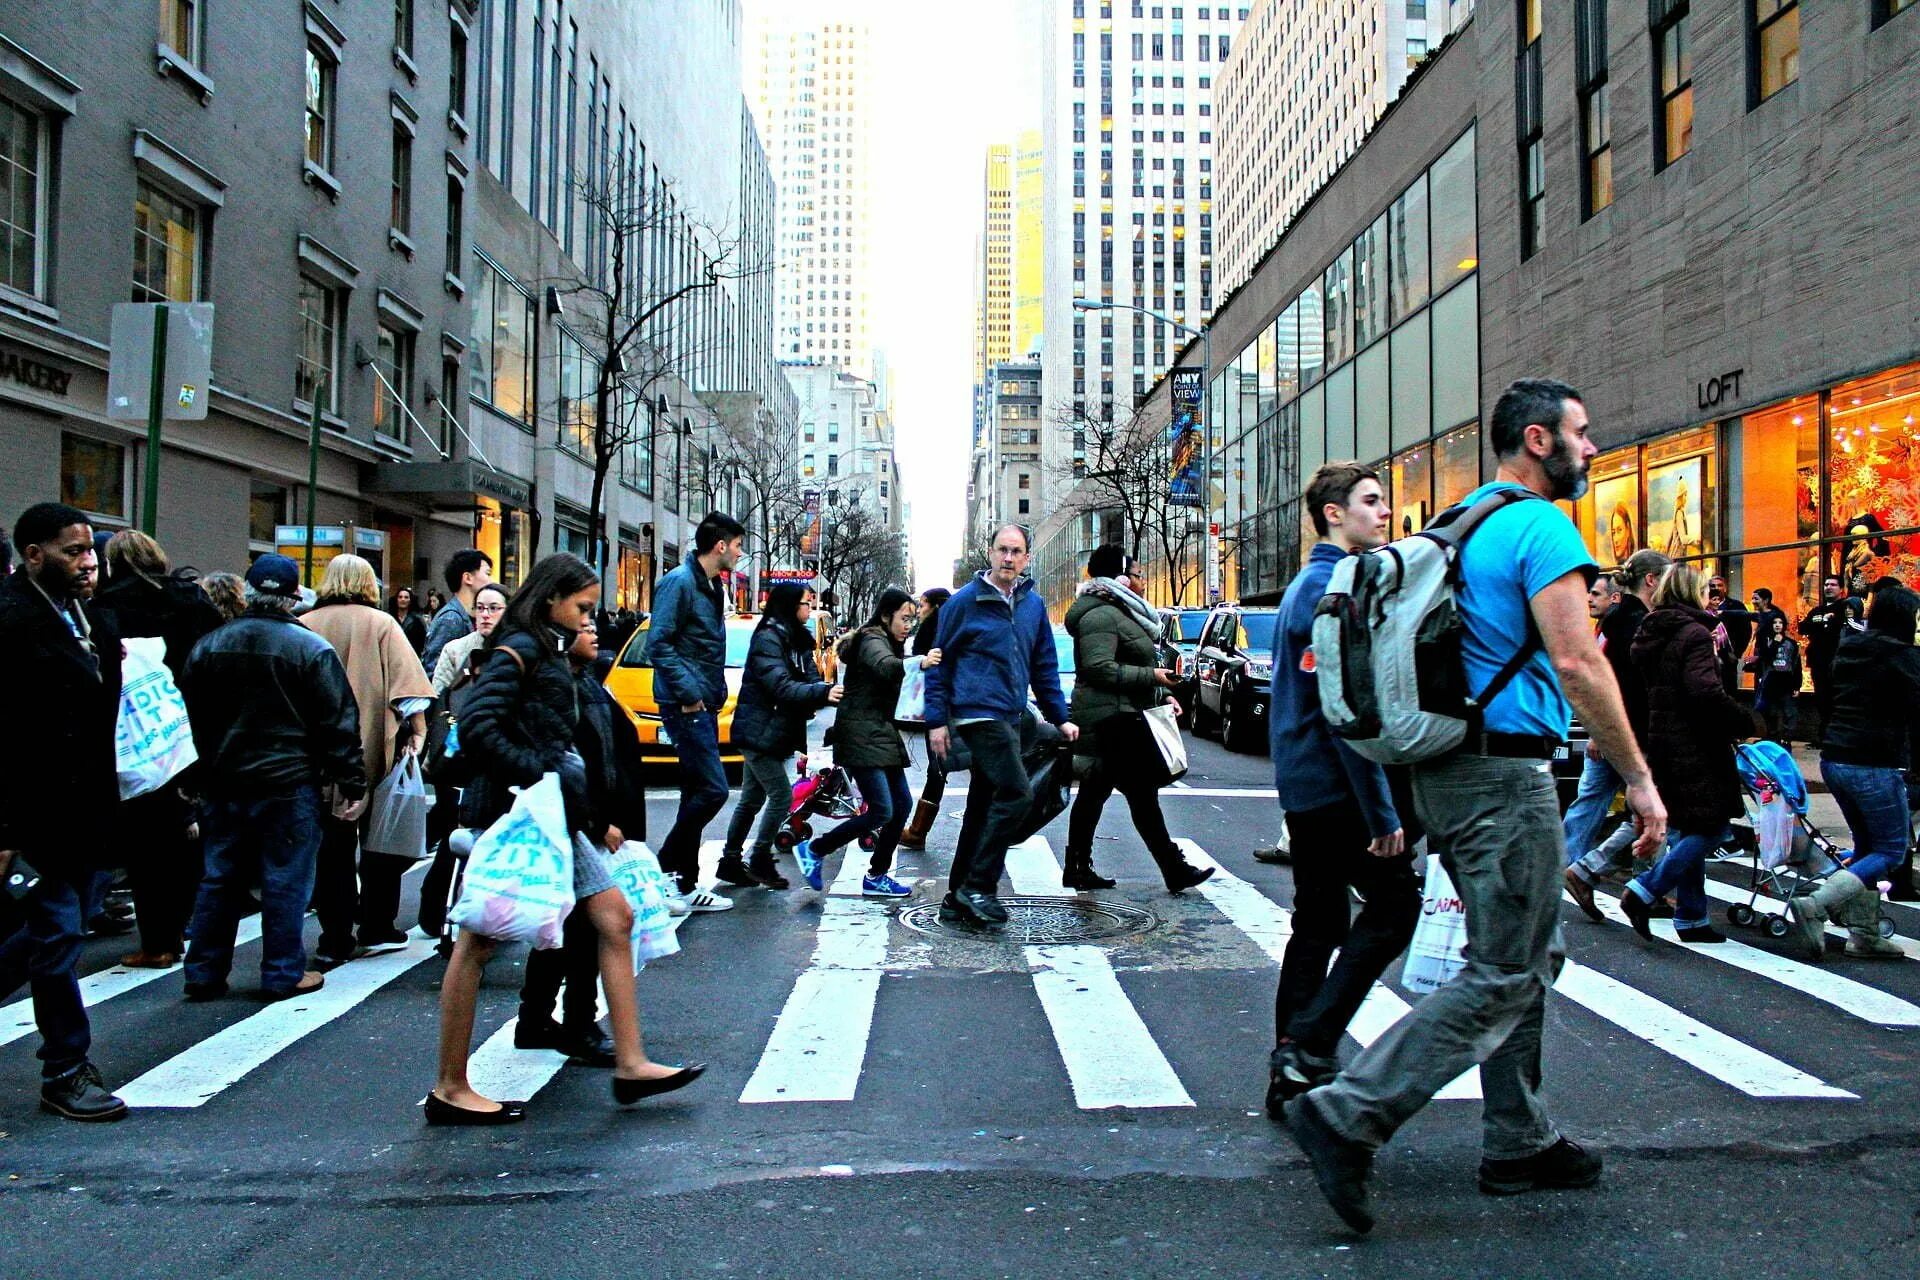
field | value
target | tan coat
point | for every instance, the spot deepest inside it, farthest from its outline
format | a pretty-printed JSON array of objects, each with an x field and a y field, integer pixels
[{"x": 382, "y": 668}]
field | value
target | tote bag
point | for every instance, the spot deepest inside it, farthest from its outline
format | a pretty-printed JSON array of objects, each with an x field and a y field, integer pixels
[
  {"x": 637, "y": 871},
  {"x": 519, "y": 881},
  {"x": 152, "y": 740},
  {"x": 1439, "y": 947},
  {"x": 911, "y": 707}
]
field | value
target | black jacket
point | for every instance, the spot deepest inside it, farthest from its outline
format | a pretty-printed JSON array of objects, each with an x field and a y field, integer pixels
[
  {"x": 1692, "y": 721},
  {"x": 864, "y": 734},
  {"x": 271, "y": 709},
  {"x": 1823, "y": 626},
  {"x": 610, "y": 747},
  {"x": 519, "y": 725},
  {"x": 414, "y": 627},
  {"x": 58, "y": 783},
  {"x": 779, "y": 693},
  {"x": 1617, "y": 628},
  {"x": 1875, "y": 686},
  {"x": 175, "y": 609}
]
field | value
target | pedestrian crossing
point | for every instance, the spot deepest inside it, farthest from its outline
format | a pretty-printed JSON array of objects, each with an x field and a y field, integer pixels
[{"x": 1106, "y": 1035}]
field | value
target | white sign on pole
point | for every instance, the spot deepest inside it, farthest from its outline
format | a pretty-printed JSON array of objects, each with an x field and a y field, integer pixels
[{"x": 189, "y": 369}]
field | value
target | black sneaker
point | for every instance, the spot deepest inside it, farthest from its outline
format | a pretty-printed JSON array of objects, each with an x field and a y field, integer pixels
[
  {"x": 1635, "y": 909},
  {"x": 1290, "y": 1073},
  {"x": 768, "y": 874},
  {"x": 1564, "y": 1166},
  {"x": 735, "y": 871},
  {"x": 587, "y": 1046},
  {"x": 544, "y": 1034},
  {"x": 82, "y": 1095},
  {"x": 1340, "y": 1167}
]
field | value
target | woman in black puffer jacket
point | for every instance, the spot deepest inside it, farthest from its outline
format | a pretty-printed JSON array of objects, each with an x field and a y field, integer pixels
[
  {"x": 779, "y": 693},
  {"x": 519, "y": 725}
]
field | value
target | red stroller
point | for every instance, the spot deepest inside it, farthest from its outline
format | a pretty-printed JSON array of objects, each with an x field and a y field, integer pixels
[{"x": 827, "y": 794}]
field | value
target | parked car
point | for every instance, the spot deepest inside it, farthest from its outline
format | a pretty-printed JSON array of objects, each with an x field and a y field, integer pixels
[
  {"x": 1234, "y": 673},
  {"x": 1176, "y": 648},
  {"x": 1063, "y": 647},
  {"x": 631, "y": 684}
]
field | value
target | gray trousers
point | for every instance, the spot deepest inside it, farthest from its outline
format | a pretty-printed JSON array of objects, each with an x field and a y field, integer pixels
[
  {"x": 766, "y": 789},
  {"x": 1495, "y": 824}
]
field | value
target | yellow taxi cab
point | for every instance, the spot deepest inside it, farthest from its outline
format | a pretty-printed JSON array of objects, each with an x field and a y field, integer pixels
[{"x": 631, "y": 684}]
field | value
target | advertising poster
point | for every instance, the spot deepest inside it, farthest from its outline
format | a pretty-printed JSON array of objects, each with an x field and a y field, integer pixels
[
  {"x": 1674, "y": 492},
  {"x": 1616, "y": 518},
  {"x": 1183, "y": 440}
]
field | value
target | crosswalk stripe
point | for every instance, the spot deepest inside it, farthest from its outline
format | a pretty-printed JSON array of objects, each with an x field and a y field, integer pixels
[
  {"x": 819, "y": 1042},
  {"x": 192, "y": 1078},
  {"x": 1112, "y": 1060},
  {"x": 1270, "y": 926},
  {"x": 1766, "y": 904},
  {"x": 1843, "y": 993},
  {"x": 1182, "y": 790}
]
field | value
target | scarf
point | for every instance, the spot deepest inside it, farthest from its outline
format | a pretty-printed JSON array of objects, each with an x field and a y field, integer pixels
[{"x": 1111, "y": 590}]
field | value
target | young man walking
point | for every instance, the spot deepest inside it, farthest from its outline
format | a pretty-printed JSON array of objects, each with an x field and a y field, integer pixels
[
  {"x": 1491, "y": 815},
  {"x": 687, "y": 648},
  {"x": 1340, "y": 816},
  {"x": 467, "y": 571}
]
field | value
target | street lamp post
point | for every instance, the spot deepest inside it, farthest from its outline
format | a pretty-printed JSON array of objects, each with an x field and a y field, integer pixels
[{"x": 1211, "y": 561}]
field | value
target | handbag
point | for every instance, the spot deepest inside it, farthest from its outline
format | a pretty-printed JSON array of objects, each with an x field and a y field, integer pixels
[
  {"x": 440, "y": 758},
  {"x": 1052, "y": 781},
  {"x": 1438, "y": 950},
  {"x": 1142, "y": 747},
  {"x": 910, "y": 708},
  {"x": 152, "y": 739}
]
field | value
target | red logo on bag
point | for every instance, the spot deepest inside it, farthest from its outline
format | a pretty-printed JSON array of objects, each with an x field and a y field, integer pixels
[{"x": 1306, "y": 660}]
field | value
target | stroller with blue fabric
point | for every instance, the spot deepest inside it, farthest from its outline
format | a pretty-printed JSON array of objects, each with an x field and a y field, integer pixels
[{"x": 1790, "y": 854}]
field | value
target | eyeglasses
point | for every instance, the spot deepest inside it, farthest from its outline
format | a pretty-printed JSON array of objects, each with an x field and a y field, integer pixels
[{"x": 489, "y": 608}]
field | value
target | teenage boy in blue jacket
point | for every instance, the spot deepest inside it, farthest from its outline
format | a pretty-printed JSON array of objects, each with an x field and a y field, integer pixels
[
  {"x": 997, "y": 644},
  {"x": 1341, "y": 819}
]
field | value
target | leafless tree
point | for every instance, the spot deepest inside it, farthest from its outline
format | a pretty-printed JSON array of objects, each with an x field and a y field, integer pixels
[
  {"x": 859, "y": 556},
  {"x": 1125, "y": 476},
  {"x": 762, "y": 468}
]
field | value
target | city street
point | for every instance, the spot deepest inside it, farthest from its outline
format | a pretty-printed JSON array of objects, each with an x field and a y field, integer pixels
[{"x": 885, "y": 1102}]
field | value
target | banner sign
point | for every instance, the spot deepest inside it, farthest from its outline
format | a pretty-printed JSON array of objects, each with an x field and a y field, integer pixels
[
  {"x": 1183, "y": 440},
  {"x": 810, "y": 539}
]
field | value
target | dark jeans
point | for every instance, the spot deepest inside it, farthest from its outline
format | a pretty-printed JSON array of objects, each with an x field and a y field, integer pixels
[
  {"x": 935, "y": 786},
  {"x": 1090, "y": 800},
  {"x": 703, "y": 791},
  {"x": 1874, "y": 803},
  {"x": 1313, "y": 1006},
  {"x": 164, "y": 868},
  {"x": 1776, "y": 707},
  {"x": 1681, "y": 871},
  {"x": 44, "y": 951},
  {"x": 576, "y": 961},
  {"x": 766, "y": 792},
  {"x": 889, "y": 800},
  {"x": 275, "y": 840},
  {"x": 342, "y": 898},
  {"x": 997, "y": 798}
]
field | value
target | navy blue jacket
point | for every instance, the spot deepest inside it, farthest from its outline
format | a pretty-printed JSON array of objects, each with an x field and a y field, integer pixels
[
  {"x": 990, "y": 655},
  {"x": 687, "y": 639},
  {"x": 1311, "y": 767}
]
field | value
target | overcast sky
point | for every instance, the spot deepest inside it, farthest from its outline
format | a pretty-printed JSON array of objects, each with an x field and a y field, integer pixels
[{"x": 951, "y": 80}]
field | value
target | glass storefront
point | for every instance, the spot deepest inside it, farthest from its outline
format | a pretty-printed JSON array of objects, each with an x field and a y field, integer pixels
[{"x": 506, "y": 534}]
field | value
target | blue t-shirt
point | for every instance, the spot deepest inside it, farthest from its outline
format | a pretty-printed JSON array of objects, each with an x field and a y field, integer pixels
[{"x": 1518, "y": 551}]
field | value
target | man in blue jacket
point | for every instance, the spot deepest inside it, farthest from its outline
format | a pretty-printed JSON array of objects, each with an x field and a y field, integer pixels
[
  {"x": 1341, "y": 820},
  {"x": 687, "y": 648},
  {"x": 997, "y": 644}
]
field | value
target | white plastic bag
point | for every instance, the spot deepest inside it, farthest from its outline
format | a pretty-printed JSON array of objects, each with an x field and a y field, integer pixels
[
  {"x": 639, "y": 876},
  {"x": 912, "y": 703},
  {"x": 1165, "y": 731},
  {"x": 519, "y": 881},
  {"x": 397, "y": 815},
  {"x": 152, "y": 740},
  {"x": 1439, "y": 947}
]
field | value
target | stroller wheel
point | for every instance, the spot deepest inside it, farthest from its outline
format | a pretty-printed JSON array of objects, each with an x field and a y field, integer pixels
[
  {"x": 866, "y": 844},
  {"x": 784, "y": 838},
  {"x": 1886, "y": 926},
  {"x": 1740, "y": 913},
  {"x": 1777, "y": 926},
  {"x": 804, "y": 831}
]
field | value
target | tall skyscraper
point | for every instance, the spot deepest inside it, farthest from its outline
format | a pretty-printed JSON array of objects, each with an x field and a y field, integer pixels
[
  {"x": 810, "y": 78},
  {"x": 1029, "y": 243},
  {"x": 1127, "y": 110},
  {"x": 993, "y": 305},
  {"x": 1306, "y": 83}
]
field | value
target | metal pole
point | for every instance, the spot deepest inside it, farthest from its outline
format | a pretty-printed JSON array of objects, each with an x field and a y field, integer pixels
[
  {"x": 313, "y": 471},
  {"x": 156, "y": 407},
  {"x": 1209, "y": 544}
]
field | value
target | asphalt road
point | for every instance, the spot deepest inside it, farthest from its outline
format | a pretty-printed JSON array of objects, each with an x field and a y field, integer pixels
[{"x": 938, "y": 1107}]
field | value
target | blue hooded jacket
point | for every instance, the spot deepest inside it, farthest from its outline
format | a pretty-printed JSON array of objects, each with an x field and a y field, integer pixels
[
  {"x": 687, "y": 639},
  {"x": 990, "y": 656}
]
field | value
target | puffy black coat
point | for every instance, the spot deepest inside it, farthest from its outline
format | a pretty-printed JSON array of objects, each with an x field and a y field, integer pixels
[
  {"x": 173, "y": 608},
  {"x": 864, "y": 734},
  {"x": 1875, "y": 686},
  {"x": 519, "y": 725},
  {"x": 610, "y": 746},
  {"x": 58, "y": 784},
  {"x": 1692, "y": 721},
  {"x": 779, "y": 692}
]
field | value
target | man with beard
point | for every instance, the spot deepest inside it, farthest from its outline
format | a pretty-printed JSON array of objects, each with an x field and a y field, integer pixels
[
  {"x": 1823, "y": 626},
  {"x": 1492, "y": 817}
]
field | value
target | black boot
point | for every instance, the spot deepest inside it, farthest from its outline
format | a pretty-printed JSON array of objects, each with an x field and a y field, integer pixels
[
  {"x": 1080, "y": 874},
  {"x": 1178, "y": 872},
  {"x": 1901, "y": 882}
]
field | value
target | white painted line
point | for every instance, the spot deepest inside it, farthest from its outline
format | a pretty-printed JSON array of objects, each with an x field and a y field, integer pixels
[
  {"x": 819, "y": 1042},
  {"x": 192, "y": 1078},
  {"x": 1843, "y": 993},
  {"x": 1693, "y": 1042},
  {"x": 498, "y": 1070},
  {"x": 1183, "y": 790},
  {"x": 1270, "y": 926},
  {"x": 1033, "y": 870},
  {"x": 1767, "y": 904}
]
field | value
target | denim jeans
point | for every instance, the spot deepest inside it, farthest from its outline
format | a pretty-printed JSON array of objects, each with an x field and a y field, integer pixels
[
  {"x": 766, "y": 791},
  {"x": 44, "y": 952},
  {"x": 703, "y": 791},
  {"x": 997, "y": 798},
  {"x": 1873, "y": 800},
  {"x": 353, "y": 886},
  {"x": 1600, "y": 783},
  {"x": 1495, "y": 824},
  {"x": 275, "y": 839},
  {"x": 1614, "y": 854},
  {"x": 889, "y": 801},
  {"x": 1681, "y": 871}
]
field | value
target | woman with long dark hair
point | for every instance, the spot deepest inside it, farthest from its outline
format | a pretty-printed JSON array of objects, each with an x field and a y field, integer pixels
[
  {"x": 935, "y": 787},
  {"x": 520, "y": 724},
  {"x": 400, "y": 605},
  {"x": 867, "y": 744},
  {"x": 779, "y": 692}
]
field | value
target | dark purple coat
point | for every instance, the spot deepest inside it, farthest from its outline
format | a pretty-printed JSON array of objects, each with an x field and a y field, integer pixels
[{"x": 1692, "y": 721}]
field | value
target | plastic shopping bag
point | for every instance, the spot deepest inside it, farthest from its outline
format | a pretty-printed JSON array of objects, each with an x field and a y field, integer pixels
[
  {"x": 639, "y": 876},
  {"x": 1439, "y": 947},
  {"x": 152, "y": 740},
  {"x": 519, "y": 881},
  {"x": 911, "y": 706},
  {"x": 397, "y": 816}
]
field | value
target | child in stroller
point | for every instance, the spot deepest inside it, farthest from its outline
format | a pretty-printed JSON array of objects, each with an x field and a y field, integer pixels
[{"x": 826, "y": 794}]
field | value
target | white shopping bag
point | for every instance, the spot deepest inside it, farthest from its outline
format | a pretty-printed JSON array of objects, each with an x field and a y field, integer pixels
[
  {"x": 397, "y": 814},
  {"x": 637, "y": 871},
  {"x": 1439, "y": 947},
  {"x": 1165, "y": 730},
  {"x": 519, "y": 881},
  {"x": 152, "y": 740},
  {"x": 912, "y": 703}
]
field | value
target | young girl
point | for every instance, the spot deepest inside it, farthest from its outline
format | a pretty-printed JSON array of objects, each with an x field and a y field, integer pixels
[{"x": 1776, "y": 681}]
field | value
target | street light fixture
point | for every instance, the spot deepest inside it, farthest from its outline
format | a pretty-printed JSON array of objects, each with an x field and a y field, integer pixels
[{"x": 1211, "y": 560}]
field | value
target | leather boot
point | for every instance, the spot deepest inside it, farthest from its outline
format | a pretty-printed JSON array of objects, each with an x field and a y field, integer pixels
[
  {"x": 1080, "y": 873},
  {"x": 915, "y": 835},
  {"x": 1179, "y": 874}
]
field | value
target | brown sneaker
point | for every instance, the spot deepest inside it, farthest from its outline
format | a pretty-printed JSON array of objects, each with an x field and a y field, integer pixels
[
  {"x": 146, "y": 960},
  {"x": 1582, "y": 894}
]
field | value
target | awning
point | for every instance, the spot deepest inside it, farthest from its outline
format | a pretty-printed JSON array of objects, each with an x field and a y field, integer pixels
[{"x": 450, "y": 484}]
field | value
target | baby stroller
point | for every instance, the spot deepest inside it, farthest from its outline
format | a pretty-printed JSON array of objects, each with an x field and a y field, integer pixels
[
  {"x": 826, "y": 794},
  {"x": 1790, "y": 854}
]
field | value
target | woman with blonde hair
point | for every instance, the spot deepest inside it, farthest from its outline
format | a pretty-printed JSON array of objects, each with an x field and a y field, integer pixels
[
  {"x": 393, "y": 694},
  {"x": 227, "y": 592}
]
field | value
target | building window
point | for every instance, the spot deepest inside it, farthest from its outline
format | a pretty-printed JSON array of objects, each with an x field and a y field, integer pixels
[
  {"x": 1529, "y": 119},
  {"x": 403, "y": 26},
  {"x": 456, "y": 220},
  {"x": 1026, "y": 506},
  {"x": 166, "y": 247},
  {"x": 577, "y": 408},
  {"x": 321, "y": 70},
  {"x": 400, "y": 210},
  {"x": 93, "y": 476},
  {"x": 457, "y": 69},
  {"x": 1885, "y": 9},
  {"x": 393, "y": 357},
  {"x": 1776, "y": 46},
  {"x": 1596, "y": 119},
  {"x": 180, "y": 28},
  {"x": 318, "y": 367},
  {"x": 502, "y": 374},
  {"x": 1673, "y": 124},
  {"x": 23, "y": 198}
]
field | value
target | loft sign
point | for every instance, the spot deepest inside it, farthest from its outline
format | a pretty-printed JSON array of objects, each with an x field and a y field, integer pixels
[
  {"x": 1720, "y": 390},
  {"x": 29, "y": 372}
]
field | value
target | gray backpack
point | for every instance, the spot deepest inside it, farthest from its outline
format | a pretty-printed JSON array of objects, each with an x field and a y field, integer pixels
[{"x": 1387, "y": 642}]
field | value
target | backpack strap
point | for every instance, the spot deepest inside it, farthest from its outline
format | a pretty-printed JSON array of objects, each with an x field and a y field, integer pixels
[{"x": 1451, "y": 529}]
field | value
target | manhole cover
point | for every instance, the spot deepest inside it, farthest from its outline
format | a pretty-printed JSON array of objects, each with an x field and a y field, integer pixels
[{"x": 1041, "y": 920}]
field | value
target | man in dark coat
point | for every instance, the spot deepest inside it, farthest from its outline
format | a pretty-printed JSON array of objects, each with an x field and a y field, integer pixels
[
  {"x": 57, "y": 785},
  {"x": 1823, "y": 626}
]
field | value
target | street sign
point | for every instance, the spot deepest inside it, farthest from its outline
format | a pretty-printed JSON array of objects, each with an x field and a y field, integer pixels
[{"x": 188, "y": 369}]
